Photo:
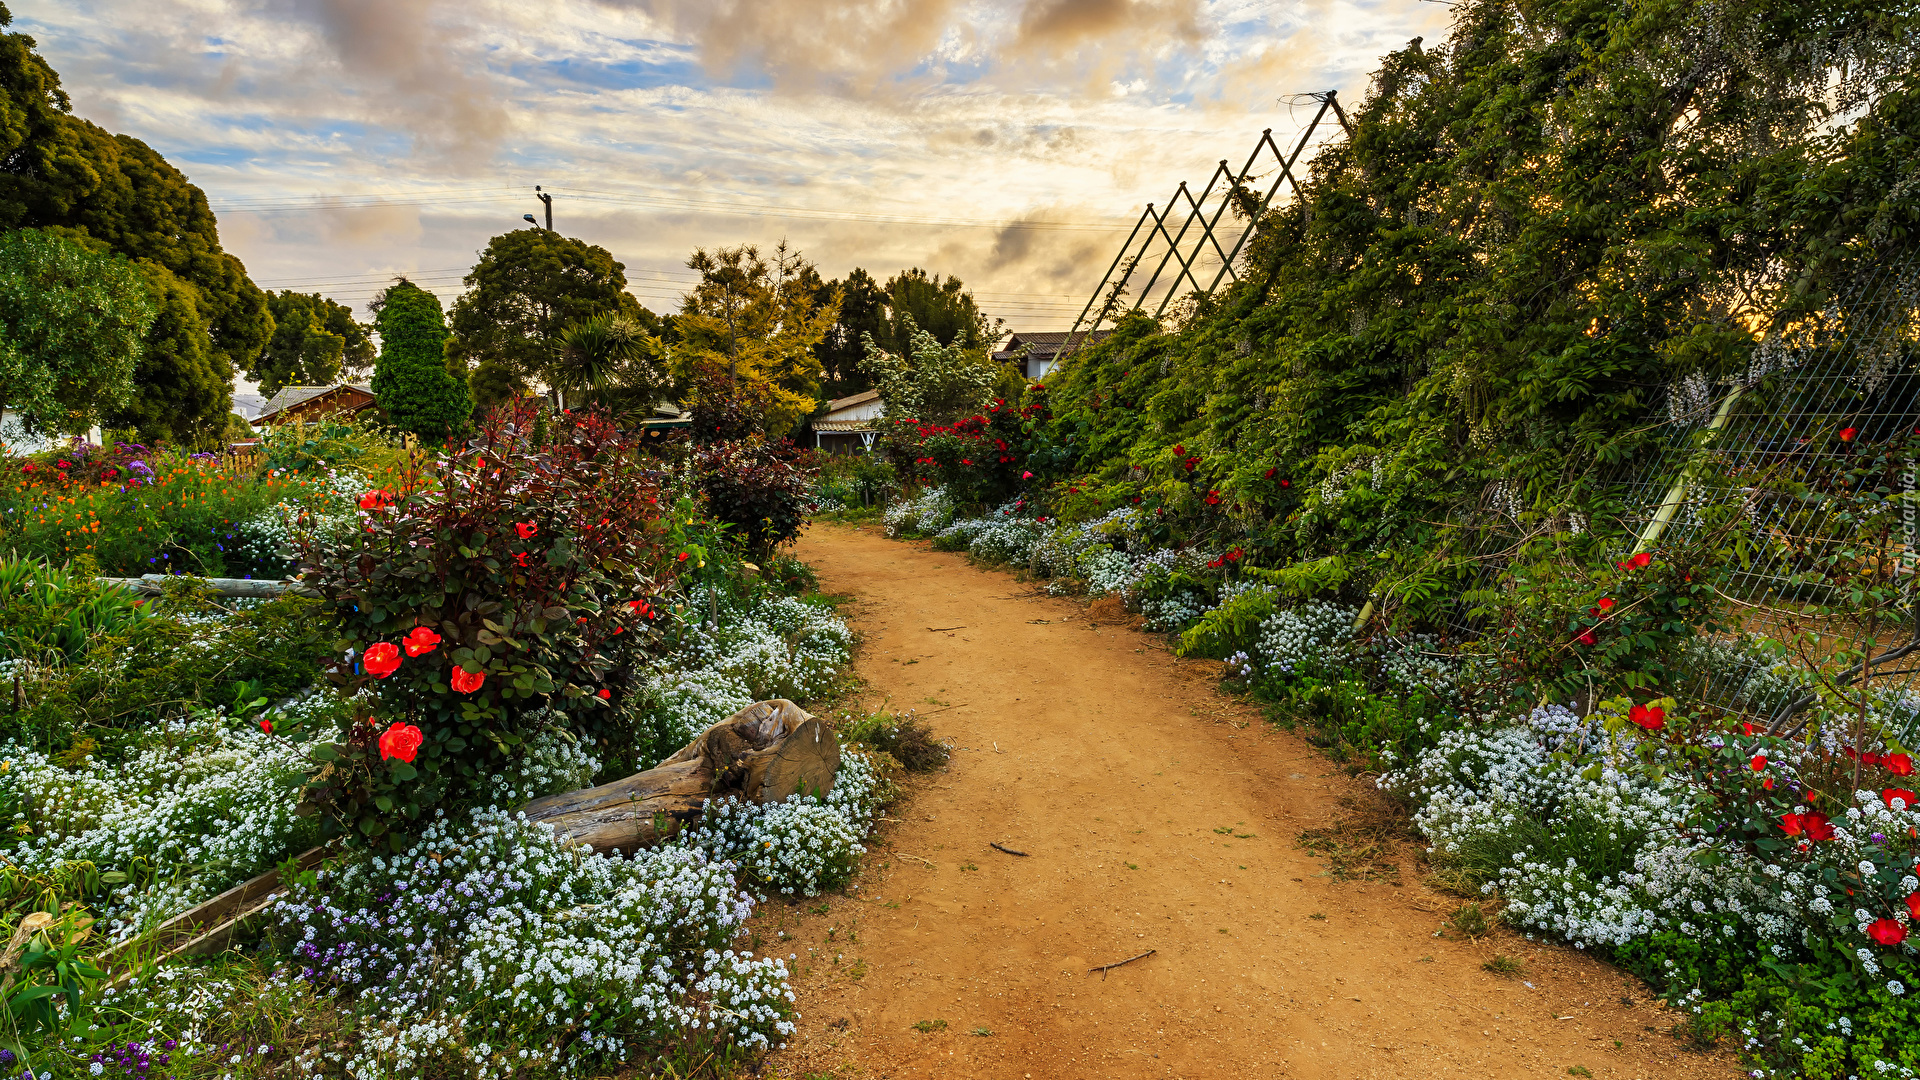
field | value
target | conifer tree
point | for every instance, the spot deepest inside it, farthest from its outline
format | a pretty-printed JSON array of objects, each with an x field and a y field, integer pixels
[{"x": 411, "y": 378}]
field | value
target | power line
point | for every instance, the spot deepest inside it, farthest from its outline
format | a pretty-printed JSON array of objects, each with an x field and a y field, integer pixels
[{"x": 321, "y": 203}]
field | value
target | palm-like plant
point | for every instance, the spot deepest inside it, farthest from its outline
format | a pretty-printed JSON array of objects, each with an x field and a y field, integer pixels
[{"x": 612, "y": 358}]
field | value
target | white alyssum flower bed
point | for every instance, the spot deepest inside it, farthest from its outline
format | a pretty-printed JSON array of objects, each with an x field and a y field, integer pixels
[
  {"x": 488, "y": 943},
  {"x": 1516, "y": 801},
  {"x": 210, "y": 807}
]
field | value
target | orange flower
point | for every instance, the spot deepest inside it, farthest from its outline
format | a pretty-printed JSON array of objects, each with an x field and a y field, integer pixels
[
  {"x": 420, "y": 640},
  {"x": 401, "y": 741},
  {"x": 466, "y": 682},
  {"x": 382, "y": 659}
]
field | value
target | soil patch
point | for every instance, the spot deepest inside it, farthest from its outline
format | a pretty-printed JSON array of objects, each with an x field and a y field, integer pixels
[{"x": 1156, "y": 815}]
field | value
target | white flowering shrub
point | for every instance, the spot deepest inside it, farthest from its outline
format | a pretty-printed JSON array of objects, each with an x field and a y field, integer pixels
[
  {"x": 1308, "y": 639},
  {"x": 1002, "y": 536},
  {"x": 803, "y": 845},
  {"x": 731, "y": 654},
  {"x": 553, "y": 761},
  {"x": 928, "y": 512},
  {"x": 327, "y": 505},
  {"x": 209, "y": 804},
  {"x": 675, "y": 705},
  {"x": 485, "y": 947}
]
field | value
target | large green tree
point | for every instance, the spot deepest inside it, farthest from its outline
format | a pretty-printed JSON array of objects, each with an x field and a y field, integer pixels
[
  {"x": 62, "y": 173},
  {"x": 894, "y": 315},
  {"x": 314, "y": 341},
  {"x": 412, "y": 379},
  {"x": 529, "y": 285},
  {"x": 182, "y": 387},
  {"x": 863, "y": 314},
  {"x": 73, "y": 326},
  {"x": 932, "y": 304}
]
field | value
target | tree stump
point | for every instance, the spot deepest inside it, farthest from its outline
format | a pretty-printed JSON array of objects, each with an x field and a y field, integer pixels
[{"x": 764, "y": 753}]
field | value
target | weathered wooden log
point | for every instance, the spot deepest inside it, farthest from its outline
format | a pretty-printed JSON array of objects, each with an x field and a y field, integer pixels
[
  {"x": 151, "y": 584},
  {"x": 764, "y": 753}
]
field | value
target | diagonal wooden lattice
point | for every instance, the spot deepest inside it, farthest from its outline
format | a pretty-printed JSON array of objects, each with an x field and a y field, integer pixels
[{"x": 1199, "y": 238}]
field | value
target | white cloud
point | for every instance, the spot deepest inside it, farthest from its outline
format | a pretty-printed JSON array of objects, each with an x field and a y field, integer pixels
[{"x": 800, "y": 111}]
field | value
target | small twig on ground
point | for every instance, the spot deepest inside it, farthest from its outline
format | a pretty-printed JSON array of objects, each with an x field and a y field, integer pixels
[
  {"x": 1008, "y": 850},
  {"x": 1104, "y": 968},
  {"x": 944, "y": 708},
  {"x": 910, "y": 855},
  {"x": 942, "y": 629}
]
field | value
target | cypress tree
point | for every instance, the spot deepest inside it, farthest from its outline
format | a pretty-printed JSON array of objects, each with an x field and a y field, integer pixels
[{"x": 411, "y": 379}]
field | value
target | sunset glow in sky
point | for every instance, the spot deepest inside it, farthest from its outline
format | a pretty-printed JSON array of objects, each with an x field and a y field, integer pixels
[{"x": 343, "y": 142}]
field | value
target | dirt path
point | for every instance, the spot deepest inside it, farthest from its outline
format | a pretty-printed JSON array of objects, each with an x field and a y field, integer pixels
[{"x": 1156, "y": 817}]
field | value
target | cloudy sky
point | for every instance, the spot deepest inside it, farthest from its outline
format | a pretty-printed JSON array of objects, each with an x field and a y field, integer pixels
[{"x": 1009, "y": 142}]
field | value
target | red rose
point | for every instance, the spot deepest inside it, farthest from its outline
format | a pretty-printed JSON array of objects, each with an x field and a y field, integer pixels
[
  {"x": 466, "y": 682},
  {"x": 1180, "y": 451},
  {"x": 1892, "y": 793},
  {"x": 1817, "y": 826},
  {"x": 1869, "y": 759},
  {"x": 1847, "y": 434},
  {"x": 1606, "y": 603},
  {"x": 683, "y": 557},
  {"x": 401, "y": 741},
  {"x": 1913, "y": 904},
  {"x": 1898, "y": 764},
  {"x": 266, "y": 725},
  {"x": 1759, "y": 762},
  {"x": 382, "y": 659},
  {"x": 1793, "y": 824},
  {"x": 1585, "y": 638},
  {"x": 1887, "y": 932},
  {"x": 420, "y": 640},
  {"x": 526, "y": 529},
  {"x": 1653, "y": 718},
  {"x": 374, "y": 500},
  {"x": 1641, "y": 561},
  {"x": 520, "y": 557},
  {"x": 604, "y": 694}
]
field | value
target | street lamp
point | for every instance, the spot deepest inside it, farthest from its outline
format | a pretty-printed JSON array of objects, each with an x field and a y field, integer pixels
[{"x": 548, "y": 200}]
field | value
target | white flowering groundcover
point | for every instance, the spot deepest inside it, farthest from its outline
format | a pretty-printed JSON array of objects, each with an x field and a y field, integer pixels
[
  {"x": 488, "y": 948},
  {"x": 1576, "y": 830}
]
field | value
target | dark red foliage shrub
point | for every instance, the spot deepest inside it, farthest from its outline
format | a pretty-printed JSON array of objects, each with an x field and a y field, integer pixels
[{"x": 758, "y": 487}]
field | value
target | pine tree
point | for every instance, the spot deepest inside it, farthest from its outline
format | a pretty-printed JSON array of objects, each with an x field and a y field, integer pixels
[{"x": 411, "y": 378}]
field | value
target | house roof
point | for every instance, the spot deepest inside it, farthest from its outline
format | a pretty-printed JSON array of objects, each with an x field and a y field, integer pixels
[
  {"x": 289, "y": 396},
  {"x": 1041, "y": 344},
  {"x": 860, "y": 398}
]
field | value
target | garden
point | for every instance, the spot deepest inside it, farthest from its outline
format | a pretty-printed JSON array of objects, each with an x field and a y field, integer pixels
[{"x": 531, "y": 608}]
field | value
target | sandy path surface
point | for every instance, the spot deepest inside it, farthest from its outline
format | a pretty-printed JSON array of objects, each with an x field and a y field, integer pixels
[{"x": 1156, "y": 816}]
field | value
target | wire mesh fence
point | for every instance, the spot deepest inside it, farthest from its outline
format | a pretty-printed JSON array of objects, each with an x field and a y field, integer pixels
[{"x": 1800, "y": 471}]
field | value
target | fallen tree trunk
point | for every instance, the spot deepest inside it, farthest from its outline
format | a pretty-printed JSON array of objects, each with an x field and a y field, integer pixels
[
  {"x": 150, "y": 585},
  {"x": 763, "y": 753}
]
